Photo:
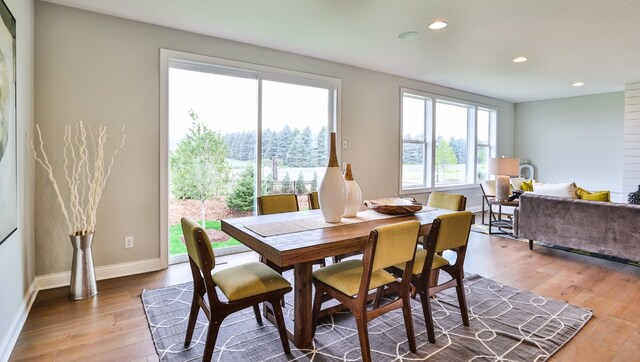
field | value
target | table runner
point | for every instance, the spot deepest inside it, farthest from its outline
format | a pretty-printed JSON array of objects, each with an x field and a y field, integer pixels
[{"x": 317, "y": 222}]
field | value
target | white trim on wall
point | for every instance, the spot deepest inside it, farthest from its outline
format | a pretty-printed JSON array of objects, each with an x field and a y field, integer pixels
[
  {"x": 6, "y": 346},
  {"x": 56, "y": 280}
]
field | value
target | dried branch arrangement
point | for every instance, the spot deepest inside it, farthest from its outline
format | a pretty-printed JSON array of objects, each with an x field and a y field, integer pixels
[{"x": 86, "y": 173}]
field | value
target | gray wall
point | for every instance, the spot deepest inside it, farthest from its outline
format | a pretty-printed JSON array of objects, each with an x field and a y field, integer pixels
[
  {"x": 104, "y": 69},
  {"x": 574, "y": 139},
  {"x": 16, "y": 253}
]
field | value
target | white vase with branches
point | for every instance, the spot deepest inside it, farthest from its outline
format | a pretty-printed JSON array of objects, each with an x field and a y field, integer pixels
[{"x": 86, "y": 169}]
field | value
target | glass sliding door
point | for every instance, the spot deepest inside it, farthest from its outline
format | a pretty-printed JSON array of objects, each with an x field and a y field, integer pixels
[
  {"x": 294, "y": 138},
  {"x": 231, "y": 129},
  {"x": 212, "y": 151}
]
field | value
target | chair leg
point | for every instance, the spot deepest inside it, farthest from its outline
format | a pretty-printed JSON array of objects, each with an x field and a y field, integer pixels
[
  {"x": 408, "y": 322},
  {"x": 317, "y": 303},
  {"x": 462, "y": 301},
  {"x": 363, "y": 335},
  {"x": 212, "y": 336},
  {"x": 282, "y": 329},
  {"x": 193, "y": 317},
  {"x": 428, "y": 317},
  {"x": 530, "y": 244},
  {"x": 378, "y": 298},
  {"x": 256, "y": 311}
]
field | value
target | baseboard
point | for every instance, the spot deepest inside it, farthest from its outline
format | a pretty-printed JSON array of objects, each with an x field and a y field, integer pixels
[
  {"x": 102, "y": 272},
  {"x": 6, "y": 347}
]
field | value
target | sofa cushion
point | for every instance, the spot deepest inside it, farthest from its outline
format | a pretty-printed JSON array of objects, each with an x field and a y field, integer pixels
[
  {"x": 555, "y": 189},
  {"x": 527, "y": 186},
  {"x": 516, "y": 182},
  {"x": 593, "y": 196}
]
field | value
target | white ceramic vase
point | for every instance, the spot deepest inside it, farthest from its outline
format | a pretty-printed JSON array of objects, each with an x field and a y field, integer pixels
[
  {"x": 353, "y": 199},
  {"x": 332, "y": 190}
]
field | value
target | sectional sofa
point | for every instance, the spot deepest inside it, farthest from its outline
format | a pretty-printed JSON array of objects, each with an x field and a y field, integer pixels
[{"x": 607, "y": 228}]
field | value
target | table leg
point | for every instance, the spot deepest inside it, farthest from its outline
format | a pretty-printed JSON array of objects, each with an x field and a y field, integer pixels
[{"x": 302, "y": 323}]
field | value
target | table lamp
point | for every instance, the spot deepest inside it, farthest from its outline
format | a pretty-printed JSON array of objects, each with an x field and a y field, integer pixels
[{"x": 502, "y": 168}]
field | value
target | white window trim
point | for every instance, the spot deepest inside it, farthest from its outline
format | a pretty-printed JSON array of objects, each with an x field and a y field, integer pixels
[
  {"x": 430, "y": 141},
  {"x": 236, "y": 68}
]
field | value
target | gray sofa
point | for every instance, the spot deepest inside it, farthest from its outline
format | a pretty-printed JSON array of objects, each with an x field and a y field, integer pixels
[{"x": 607, "y": 228}]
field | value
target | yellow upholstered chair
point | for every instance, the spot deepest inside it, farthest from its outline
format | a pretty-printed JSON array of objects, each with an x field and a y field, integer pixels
[
  {"x": 275, "y": 204},
  {"x": 314, "y": 203},
  {"x": 243, "y": 285},
  {"x": 350, "y": 281},
  {"x": 448, "y": 232},
  {"x": 443, "y": 200}
]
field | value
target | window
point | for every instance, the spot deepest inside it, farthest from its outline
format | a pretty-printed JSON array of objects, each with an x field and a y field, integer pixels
[
  {"x": 235, "y": 131},
  {"x": 445, "y": 142}
]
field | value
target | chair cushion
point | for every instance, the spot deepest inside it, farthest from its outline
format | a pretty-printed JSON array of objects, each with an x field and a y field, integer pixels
[
  {"x": 421, "y": 257},
  {"x": 248, "y": 280},
  {"x": 345, "y": 276}
]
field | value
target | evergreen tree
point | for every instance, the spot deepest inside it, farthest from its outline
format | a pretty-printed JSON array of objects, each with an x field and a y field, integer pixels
[
  {"x": 306, "y": 137},
  {"x": 286, "y": 185},
  {"x": 298, "y": 154},
  {"x": 283, "y": 140},
  {"x": 267, "y": 185},
  {"x": 314, "y": 182},
  {"x": 300, "y": 188},
  {"x": 242, "y": 197},
  {"x": 459, "y": 147},
  {"x": 323, "y": 147}
]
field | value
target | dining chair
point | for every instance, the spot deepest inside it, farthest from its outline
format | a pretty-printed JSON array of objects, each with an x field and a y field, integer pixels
[
  {"x": 448, "y": 232},
  {"x": 278, "y": 203},
  {"x": 442, "y": 200},
  {"x": 350, "y": 281},
  {"x": 243, "y": 286},
  {"x": 314, "y": 203}
]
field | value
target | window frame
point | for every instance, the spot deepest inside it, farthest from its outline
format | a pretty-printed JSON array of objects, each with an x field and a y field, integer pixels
[
  {"x": 429, "y": 142},
  {"x": 203, "y": 63}
]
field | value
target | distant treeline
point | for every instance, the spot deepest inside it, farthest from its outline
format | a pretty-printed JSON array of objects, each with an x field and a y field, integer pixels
[{"x": 292, "y": 148}]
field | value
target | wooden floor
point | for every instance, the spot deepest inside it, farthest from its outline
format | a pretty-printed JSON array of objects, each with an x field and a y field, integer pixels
[{"x": 113, "y": 326}]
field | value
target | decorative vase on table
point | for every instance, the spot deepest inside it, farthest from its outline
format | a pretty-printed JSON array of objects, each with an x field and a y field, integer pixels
[
  {"x": 83, "y": 276},
  {"x": 634, "y": 197},
  {"x": 353, "y": 199},
  {"x": 332, "y": 190}
]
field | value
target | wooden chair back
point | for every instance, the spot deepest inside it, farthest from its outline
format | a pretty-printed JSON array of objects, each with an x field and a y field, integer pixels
[
  {"x": 278, "y": 203},
  {"x": 314, "y": 203},
  {"x": 447, "y": 201}
]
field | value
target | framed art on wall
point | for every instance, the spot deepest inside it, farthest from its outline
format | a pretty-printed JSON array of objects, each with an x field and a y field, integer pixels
[{"x": 8, "y": 149}]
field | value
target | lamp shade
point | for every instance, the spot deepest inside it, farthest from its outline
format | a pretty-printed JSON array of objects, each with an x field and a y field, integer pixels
[{"x": 504, "y": 166}]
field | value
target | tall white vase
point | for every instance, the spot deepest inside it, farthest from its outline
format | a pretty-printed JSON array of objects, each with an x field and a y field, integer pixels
[
  {"x": 353, "y": 199},
  {"x": 332, "y": 190}
]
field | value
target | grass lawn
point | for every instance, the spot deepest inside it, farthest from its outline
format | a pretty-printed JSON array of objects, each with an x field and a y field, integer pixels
[{"x": 177, "y": 247}]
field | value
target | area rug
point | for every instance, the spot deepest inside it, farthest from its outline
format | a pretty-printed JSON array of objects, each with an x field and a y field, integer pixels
[{"x": 506, "y": 324}]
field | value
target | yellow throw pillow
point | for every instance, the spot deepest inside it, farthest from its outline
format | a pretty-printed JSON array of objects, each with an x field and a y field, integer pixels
[
  {"x": 527, "y": 185},
  {"x": 593, "y": 196}
]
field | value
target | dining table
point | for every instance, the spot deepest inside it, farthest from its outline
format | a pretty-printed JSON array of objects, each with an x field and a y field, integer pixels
[{"x": 298, "y": 239}]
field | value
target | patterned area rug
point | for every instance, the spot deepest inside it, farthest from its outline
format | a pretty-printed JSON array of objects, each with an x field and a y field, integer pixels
[{"x": 505, "y": 324}]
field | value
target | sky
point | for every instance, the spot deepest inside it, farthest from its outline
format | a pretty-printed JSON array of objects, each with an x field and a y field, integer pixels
[{"x": 230, "y": 104}]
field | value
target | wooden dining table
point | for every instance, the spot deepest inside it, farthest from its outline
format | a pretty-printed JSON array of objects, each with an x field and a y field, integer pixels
[{"x": 302, "y": 247}]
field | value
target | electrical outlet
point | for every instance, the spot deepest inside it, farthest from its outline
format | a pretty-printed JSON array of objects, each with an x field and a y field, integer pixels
[
  {"x": 128, "y": 242},
  {"x": 345, "y": 144}
]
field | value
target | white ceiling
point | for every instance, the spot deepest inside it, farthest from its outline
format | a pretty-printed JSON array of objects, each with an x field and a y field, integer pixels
[{"x": 593, "y": 41}]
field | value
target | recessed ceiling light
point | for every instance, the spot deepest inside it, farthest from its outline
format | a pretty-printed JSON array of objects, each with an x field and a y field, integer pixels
[
  {"x": 520, "y": 59},
  {"x": 437, "y": 25},
  {"x": 409, "y": 35},
  {"x": 578, "y": 84}
]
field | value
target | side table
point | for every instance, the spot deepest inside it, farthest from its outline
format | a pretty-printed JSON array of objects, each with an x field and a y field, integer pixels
[{"x": 495, "y": 218}]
